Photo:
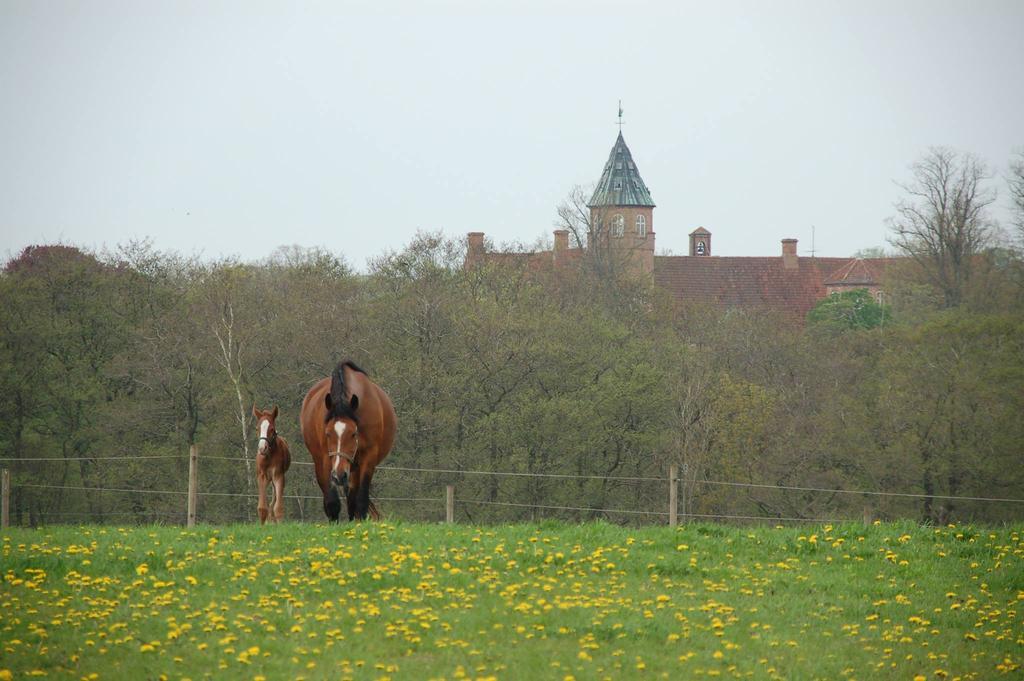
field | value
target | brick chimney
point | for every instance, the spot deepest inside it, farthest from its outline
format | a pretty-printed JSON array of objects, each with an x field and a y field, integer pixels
[
  {"x": 789, "y": 258},
  {"x": 561, "y": 246},
  {"x": 474, "y": 249}
]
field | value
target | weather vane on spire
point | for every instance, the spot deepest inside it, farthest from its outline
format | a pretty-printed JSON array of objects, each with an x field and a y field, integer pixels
[{"x": 620, "y": 116}]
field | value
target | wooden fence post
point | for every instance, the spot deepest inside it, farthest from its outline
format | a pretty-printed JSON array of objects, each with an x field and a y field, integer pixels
[
  {"x": 193, "y": 484},
  {"x": 673, "y": 495},
  {"x": 5, "y": 499},
  {"x": 449, "y": 504},
  {"x": 682, "y": 491}
]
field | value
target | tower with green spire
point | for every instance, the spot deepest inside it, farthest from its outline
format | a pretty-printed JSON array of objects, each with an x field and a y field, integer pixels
[{"x": 622, "y": 211}]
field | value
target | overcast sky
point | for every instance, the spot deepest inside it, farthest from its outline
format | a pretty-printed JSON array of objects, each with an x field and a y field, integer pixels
[{"x": 231, "y": 128}]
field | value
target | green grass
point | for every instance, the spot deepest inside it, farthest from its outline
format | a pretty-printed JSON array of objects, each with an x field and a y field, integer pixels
[{"x": 418, "y": 601}]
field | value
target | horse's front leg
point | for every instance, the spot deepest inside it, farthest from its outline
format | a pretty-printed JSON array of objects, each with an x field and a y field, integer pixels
[
  {"x": 332, "y": 502},
  {"x": 278, "y": 497},
  {"x": 352, "y": 500},
  {"x": 261, "y": 483},
  {"x": 359, "y": 498},
  {"x": 363, "y": 502}
]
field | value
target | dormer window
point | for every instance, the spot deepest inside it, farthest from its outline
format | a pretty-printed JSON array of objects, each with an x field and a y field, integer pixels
[
  {"x": 641, "y": 225},
  {"x": 618, "y": 165},
  {"x": 617, "y": 184},
  {"x": 618, "y": 225}
]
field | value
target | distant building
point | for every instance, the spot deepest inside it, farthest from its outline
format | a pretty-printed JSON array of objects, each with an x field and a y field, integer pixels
[{"x": 622, "y": 220}]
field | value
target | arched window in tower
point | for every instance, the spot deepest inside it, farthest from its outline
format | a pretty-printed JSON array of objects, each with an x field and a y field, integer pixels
[
  {"x": 618, "y": 225},
  {"x": 641, "y": 225},
  {"x": 701, "y": 248}
]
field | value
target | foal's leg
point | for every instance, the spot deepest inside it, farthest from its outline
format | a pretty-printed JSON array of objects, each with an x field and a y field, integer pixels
[
  {"x": 278, "y": 496},
  {"x": 261, "y": 482}
]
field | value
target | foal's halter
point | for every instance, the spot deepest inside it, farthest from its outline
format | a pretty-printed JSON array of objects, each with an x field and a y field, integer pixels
[{"x": 270, "y": 440}]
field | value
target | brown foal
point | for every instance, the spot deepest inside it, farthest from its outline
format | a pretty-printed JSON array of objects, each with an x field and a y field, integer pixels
[{"x": 272, "y": 461}]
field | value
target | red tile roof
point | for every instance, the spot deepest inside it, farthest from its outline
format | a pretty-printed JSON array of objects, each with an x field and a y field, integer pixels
[
  {"x": 751, "y": 282},
  {"x": 534, "y": 260},
  {"x": 747, "y": 282},
  {"x": 857, "y": 272}
]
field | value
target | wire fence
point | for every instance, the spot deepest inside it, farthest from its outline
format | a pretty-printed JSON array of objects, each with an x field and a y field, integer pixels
[{"x": 657, "y": 500}]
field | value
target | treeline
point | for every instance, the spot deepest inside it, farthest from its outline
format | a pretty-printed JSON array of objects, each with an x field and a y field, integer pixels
[{"x": 112, "y": 365}]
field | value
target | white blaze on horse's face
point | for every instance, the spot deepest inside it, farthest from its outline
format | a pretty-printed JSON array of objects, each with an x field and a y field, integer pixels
[
  {"x": 264, "y": 429},
  {"x": 339, "y": 430}
]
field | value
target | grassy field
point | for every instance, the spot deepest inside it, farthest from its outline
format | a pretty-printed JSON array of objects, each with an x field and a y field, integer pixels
[{"x": 546, "y": 601}]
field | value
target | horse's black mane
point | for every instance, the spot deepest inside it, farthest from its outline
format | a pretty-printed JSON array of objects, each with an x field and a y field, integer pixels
[{"x": 340, "y": 405}]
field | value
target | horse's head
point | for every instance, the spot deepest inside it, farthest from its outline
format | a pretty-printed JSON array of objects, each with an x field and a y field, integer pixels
[
  {"x": 342, "y": 430},
  {"x": 265, "y": 423}
]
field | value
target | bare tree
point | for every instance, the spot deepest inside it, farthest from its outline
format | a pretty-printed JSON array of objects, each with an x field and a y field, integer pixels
[
  {"x": 226, "y": 306},
  {"x": 944, "y": 224},
  {"x": 593, "y": 230},
  {"x": 574, "y": 216},
  {"x": 1016, "y": 183}
]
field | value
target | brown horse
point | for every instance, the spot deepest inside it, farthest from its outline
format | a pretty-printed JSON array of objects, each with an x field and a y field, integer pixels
[
  {"x": 272, "y": 461},
  {"x": 349, "y": 426}
]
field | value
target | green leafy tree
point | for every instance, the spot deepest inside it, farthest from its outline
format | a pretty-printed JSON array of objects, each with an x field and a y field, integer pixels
[
  {"x": 950, "y": 395},
  {"x": 68, "y": 322},
  {"x": 848, "y": 310}
]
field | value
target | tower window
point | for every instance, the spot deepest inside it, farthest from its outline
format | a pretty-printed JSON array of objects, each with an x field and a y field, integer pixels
[
  {"x": 701, "y": 248},
  {"x": 641, "y": 225},
  {"x": 618, "y": 165},
  {"x": 618, "y": 225},
  {"x": 617, "y": 184}
]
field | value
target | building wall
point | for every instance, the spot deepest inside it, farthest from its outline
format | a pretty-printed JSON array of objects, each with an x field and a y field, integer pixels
[{"x": 635, "y": 251}]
